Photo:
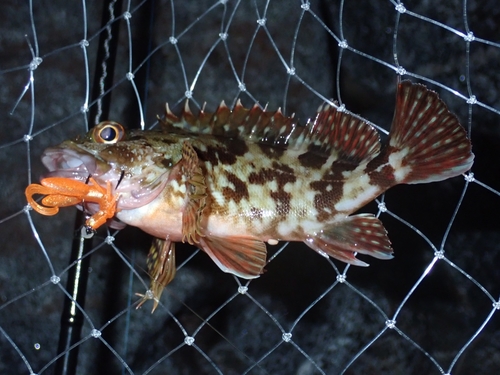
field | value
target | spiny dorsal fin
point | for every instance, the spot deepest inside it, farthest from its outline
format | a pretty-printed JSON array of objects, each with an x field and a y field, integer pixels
[
  {"x": 252, "y": 124},
  {"x": 330, "y": 129}
]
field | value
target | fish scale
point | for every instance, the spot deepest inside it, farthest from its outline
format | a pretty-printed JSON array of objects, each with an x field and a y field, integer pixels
[{"x": 232, "y": 180}]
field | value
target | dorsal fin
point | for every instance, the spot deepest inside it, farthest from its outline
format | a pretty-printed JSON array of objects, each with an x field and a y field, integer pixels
[
  {"x": 353, "y": 138},
  {"x": 330, "y": 129},
  {"x": 251, "y": 124}
]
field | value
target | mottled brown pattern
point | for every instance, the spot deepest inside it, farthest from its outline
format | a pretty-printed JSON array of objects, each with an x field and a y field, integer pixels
[
  {"x": 272, "y": 152},
  {"x": 256, "y": 213},
  {"x": 237, "y": 147},
  {"x": 240, "y": 188},
  {"x": 336, "y": 172},
  {"x": 216, "y": 155},
  {"x": 385, "y": 177},
  {"x": 282, "y": 173},
  {"x": 261, "y": 177},
  {"x": 118, "y": 153},
  {"x": 329, "y": 193},
  {"x": 312, "y": 160},
  {"x": 282, "y": 200},
  {"x": 285, "y": 169}
]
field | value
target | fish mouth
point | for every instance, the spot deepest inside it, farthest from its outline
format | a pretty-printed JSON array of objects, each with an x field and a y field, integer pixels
[
  {"x": 74, "y": 162},
  {"x": 69, "y": 163},
  {"x": 77, "y": 165}
]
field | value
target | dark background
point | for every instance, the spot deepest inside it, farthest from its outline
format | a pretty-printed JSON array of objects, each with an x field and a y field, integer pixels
[{"x": 339, "y": 321}]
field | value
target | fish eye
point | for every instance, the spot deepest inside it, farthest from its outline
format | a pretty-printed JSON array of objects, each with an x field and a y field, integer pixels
[{"x": 108, "y": 132}]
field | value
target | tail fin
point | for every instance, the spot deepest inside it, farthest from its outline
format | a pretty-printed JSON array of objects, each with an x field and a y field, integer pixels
[{"x": 426, "y": 142}]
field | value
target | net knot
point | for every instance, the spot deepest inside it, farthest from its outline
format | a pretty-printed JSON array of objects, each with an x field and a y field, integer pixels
[
  {"x": 400, "y": 71},
  {"x": 382, "y": 207},
  {"x": 149, "y": 294},
  {"x": 188, "y": 340},
  {"x": 439, "y": 254},
  {"x": 400, "y": 8},
  {"x": 469, "y": 177},
  {"x": 390, "y": 323},
  {"x": 472, "y": 100},
  {"x": 95, "y": 333},
  {"x": 35, "y": 63},
  {"x": 242, "y": 289},
  {"x": 469, "y": 37}
]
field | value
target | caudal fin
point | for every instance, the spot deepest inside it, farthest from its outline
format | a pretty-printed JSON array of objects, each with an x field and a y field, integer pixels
[{"x": 426, "y": 142}]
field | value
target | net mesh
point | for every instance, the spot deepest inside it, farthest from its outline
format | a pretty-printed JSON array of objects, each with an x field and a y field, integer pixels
[{"x": 433, "y": 309}]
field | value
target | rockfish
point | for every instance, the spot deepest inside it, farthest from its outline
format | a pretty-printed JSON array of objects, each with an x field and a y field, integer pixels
[{"x": 232, "y": 180}]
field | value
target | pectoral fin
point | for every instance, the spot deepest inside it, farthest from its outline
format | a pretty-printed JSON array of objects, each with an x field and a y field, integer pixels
[
  {"x": 196, "y": 192},
  {"x": 243, "y": 257},
  {"x": 161, "y": 269},
  {"x": 362, "y": 233}
]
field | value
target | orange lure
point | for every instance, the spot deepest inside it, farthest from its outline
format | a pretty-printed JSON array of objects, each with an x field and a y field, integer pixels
[{"x": 65, "y": 192}]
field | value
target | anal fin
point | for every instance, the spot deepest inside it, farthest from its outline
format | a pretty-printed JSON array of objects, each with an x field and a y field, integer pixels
[
  {"x": 362, "y": 233},
  {"x": 241, "y": 256},
  {"x": 161, "y": 269}
]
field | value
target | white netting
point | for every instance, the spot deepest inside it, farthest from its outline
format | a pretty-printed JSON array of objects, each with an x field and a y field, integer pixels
[{"x": 433, "y": 309}]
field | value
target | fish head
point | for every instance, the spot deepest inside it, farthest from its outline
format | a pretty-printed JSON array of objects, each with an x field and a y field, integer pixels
[{"x": 137, "y": 163}]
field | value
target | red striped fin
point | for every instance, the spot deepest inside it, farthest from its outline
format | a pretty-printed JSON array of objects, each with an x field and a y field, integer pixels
[{"x": 426, "y": 142}]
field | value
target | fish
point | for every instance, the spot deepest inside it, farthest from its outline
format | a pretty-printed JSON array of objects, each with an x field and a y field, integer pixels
[{"x": 233, "y": 180}]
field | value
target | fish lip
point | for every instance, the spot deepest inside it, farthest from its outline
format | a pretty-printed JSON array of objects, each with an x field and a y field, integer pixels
[
  {"x": 70, "y": 160},
  {"x": 64, "y": 162}
]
